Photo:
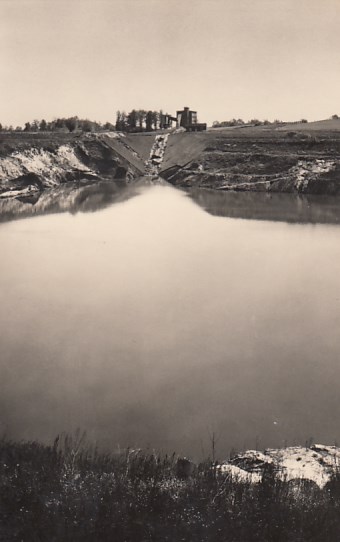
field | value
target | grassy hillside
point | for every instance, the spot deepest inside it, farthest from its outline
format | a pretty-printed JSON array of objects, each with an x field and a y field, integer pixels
[{"x": 327, "y": 125}]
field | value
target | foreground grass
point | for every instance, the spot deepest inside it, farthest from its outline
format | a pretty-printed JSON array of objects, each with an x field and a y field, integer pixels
[{"x": 71, "y": 492}]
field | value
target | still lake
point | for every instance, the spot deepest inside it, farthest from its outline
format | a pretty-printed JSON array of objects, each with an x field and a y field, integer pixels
[{"x": 155, "y": 322}]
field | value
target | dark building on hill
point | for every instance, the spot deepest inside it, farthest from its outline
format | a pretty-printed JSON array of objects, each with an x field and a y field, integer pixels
[
  {"x": 167, "y": 120},
  {"x": 188, "y": 120}
]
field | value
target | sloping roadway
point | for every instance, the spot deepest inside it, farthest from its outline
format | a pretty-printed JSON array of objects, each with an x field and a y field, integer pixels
[{"x": 183, "y": 148}]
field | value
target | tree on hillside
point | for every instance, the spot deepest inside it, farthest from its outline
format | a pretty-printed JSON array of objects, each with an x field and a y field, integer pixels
[
  {"x": 27, "y": 127},
  {"x": 108, "y": 126},
  {"x": 87, "y": 126},
  {"x": 121, "y": 121},
  {"x": 155, "y": 119},
  {"x": 132, "y": 120},
  {"x": 149, "y": 119},
  {"x": 71, "y": 124},
  {"x": 0, "y": 127},
  {"x": 124, "y": 120},
  {"x": 335, "y": 117},
  {"x": 35, "y": 125},
  {"x": 161, "y": 119},
  {"x": 141, "y": 115},
  {"x": 118, "y": 120},
  {"x": 43, "y": 125},
  {"x": 59, "y": 124}
]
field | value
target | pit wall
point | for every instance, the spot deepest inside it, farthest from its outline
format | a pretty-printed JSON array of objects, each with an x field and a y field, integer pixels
[
  {"x": 29, "y": 165},
  {"x": 262, "y": 161},
  {"x": 237, "y": 160}
]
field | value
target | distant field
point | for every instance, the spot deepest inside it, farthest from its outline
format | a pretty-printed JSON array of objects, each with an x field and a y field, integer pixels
[{"x": 327, "y": 125}]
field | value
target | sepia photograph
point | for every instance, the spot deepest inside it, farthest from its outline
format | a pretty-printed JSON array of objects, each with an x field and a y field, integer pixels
[{"x": 170, "y": 271}]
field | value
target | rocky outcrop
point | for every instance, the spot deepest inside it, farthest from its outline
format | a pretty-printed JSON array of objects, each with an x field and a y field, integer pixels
[
  {"x": 154, "y": 163},
  {"x": 317, "y": 463}
]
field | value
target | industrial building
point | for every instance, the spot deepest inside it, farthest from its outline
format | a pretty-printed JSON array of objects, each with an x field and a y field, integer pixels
[
  {"x": 184, "y": 119},
  {"x": 188, "y": 120}
]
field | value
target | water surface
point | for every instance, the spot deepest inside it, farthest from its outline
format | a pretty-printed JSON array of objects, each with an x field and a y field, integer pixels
[{"x": 154, "y": 323}]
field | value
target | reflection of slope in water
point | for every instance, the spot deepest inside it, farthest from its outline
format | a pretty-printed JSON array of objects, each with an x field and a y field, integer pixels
[
  {"x": 293, "y": 208},
  {"x": 67, "y": 198}
]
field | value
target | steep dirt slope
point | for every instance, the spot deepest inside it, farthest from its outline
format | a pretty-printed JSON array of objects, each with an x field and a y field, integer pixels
[
  {"x": 31, "y": 163},
  {"x": 183, "y": 148},
  {"x": 120, "y": 144},
  {"x": 141, "y": 144}
]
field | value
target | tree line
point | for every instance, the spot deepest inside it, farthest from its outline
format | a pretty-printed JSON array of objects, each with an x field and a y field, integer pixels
[
  {"x": 66, "y": 124},
  {"x": 139, "y": 120},
  {"x": 251, "y": 122}
]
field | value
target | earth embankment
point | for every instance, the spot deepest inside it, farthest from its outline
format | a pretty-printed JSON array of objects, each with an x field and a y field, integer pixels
[
  {"x": 255, "y": 159},
  {"x": 30, "y": 163},
  {"x": 240, "y": 159}
]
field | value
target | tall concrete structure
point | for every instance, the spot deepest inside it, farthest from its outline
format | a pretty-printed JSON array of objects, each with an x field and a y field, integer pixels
[{"x": 188, "y": 120}]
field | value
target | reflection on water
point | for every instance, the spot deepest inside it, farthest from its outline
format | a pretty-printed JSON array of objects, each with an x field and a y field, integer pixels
[
  {"x": 152, "y": 322},
  {"x": 88, "y": 196},
  {"x": 302, "y": 208},
  {"x": 68, "y": 197}
]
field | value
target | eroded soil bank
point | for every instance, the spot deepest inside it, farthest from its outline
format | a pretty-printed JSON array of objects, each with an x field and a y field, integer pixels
[
  {"x": 256, "y": 160},
  {"x": 32, "y": 163},
  {"x": 243, "y": 159}
]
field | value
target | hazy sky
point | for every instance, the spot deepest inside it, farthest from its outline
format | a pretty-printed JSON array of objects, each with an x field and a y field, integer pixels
[{"x": 224, "y": 58}]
